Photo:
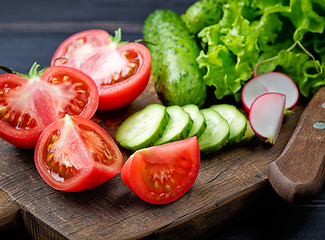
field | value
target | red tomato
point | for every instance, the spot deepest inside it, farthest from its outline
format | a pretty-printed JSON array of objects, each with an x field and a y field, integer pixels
[
  {"x": 74, "y": 154},
  {"x": 161, "y": 174},
  {"x": 30, "y": 103},
  {"x": 120, "y": 70}
]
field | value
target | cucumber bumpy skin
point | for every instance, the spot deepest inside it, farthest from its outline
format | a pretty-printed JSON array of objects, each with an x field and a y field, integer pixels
[
  {"x": 201, "y": 14},
  {"x": 175, "y": 71},
  {"x": 143, "y": 128}
]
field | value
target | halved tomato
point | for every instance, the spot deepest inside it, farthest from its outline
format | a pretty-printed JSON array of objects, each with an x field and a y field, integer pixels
[
  {"x": 74, "y": 154},
  {"x": 162, "y": 174},
  {"x": 29, "y": 103},
  {"x": 121, "y": 70}
]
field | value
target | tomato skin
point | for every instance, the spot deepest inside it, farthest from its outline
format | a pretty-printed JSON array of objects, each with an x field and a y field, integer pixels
[
  {"x": 162, "y": 174},
  {"x": 90, "y": 173},
  {"x": 117, "y": 95},
  {"x": 34, "y": 101}
]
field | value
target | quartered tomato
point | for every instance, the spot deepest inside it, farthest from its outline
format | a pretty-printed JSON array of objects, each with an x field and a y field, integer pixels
[
  {"x": 162, "y": 174},
  {"x": 29, "y": 103},
  {"x": 74, "y": 154},
  {"x": 120, "y": 70}
]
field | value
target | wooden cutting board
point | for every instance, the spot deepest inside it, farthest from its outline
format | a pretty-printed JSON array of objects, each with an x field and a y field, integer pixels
[{"x": 229, "y": 181}]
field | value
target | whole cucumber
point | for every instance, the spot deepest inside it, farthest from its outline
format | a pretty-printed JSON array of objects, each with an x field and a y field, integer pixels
[{"x": 177, "y": 76}]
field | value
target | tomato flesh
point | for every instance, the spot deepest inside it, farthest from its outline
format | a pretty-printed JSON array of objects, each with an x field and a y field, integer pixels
[
  {"x": 162, "y": 174},
  {"x": 29, "y": 104},
  {"x": 75, "y": 154},
  {"x": 121, "y": 71}
]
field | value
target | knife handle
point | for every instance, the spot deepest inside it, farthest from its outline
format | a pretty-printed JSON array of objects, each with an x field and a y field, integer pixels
[{"x": 299, "y": 172}]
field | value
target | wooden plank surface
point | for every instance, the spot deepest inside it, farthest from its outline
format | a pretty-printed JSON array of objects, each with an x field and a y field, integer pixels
[{"x": 230, "y": 181}]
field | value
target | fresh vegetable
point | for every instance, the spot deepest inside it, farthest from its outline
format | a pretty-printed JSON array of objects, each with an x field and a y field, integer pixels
[
  {"x": 283, "y": 36},
  {"x": 29, "y": 103},
  {"x": 266, "y": 115},
  {"x": 120, "y": 70},
  {"x": 179, "y": 125},
  {"x": 143, "y": 128},
  {"x": 156, "y": 124},
  {"x": 177, "y": 77},
  {"x": 162, "y": 174},
  {"x": 236, "y": 120},
  {"x": 201, "y": 14},
  {"x": 199, "y": 124},
  {"x": 75, "y": 154},
  {"x": 216, "y": 134},
  {"x": 249, "y": 134},
  {"x": 270, "y": 82}
]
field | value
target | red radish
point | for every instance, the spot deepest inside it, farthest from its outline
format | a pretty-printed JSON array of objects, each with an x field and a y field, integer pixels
[
  {"x": 266, "y": 116},
  {"x": 270, "y": 82}
]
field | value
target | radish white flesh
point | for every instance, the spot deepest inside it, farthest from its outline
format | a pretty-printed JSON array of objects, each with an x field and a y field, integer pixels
[
  {"x": 270, "y": 82},
  {"x": 266, "y": 116}
]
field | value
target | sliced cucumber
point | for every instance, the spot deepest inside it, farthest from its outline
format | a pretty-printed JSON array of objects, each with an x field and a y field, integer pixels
[
  {"x": 248, "y": 134},
  {"x": 236, "y": 120},
  {"x": 199, "y": 124},
  {"x": 143, "y": 128},
  {"x": 178, "y": 127},
  {"x": 216, "y": 134}
]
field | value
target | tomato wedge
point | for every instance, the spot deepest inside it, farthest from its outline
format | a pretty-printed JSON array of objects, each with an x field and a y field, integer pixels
[
  {"x": 162, "y": 174},
  {"x": 29, "y": 103},
  {"x": 121, "y": 70},
  {"x": 74, "y": 154}
]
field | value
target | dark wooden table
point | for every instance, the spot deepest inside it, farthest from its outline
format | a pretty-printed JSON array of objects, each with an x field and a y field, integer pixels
[{"x": 31, "y": 30}]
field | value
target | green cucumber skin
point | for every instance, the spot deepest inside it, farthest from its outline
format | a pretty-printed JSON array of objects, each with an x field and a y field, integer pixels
[
  {"x": 180, "y": 135},
  {"x": 201, "y": 14},
  {"x": 177, "y": 76},
  {"x": 213, "y": 118},
  {"x": 193, "y": 110},
  {"x": 222, "y": 109}
]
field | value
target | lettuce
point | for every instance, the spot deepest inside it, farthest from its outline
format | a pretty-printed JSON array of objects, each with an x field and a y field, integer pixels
[{"x": 258, "y": 31}]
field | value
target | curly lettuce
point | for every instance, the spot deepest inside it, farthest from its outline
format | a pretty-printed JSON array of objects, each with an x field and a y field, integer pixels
[{"x": 251, "y": 31}]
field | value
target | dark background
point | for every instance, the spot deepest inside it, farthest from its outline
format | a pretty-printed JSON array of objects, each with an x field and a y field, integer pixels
[{"x": 31, "y": 30}]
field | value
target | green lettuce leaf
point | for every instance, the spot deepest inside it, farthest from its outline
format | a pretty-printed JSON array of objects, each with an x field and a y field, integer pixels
[{"x": 252, "y": 31}]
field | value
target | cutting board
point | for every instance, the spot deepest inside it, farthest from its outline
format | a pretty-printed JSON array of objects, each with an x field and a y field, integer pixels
[{"x": 229, "y": 181}]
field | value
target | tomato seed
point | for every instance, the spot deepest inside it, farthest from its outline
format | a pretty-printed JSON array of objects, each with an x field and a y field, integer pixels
[
  {"x": 168, "y": 188},
  {"x": 3, "y": 109},
  {"x": 49, "y": 157},
  {"x": 66, "y": 78},
  {"x": 156, "y": 184},
  {"x": 55, "y": 80},
  {"x": 6, "y": 116}
]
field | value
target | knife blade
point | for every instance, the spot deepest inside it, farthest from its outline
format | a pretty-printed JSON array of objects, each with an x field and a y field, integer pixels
[{"x": 298, "y": 174}]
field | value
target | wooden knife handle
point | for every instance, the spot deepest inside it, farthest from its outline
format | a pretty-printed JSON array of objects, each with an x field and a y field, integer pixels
[{"x": 299, "y": 172}]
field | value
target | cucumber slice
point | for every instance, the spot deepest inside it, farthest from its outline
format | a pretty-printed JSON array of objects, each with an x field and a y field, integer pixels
[
  {"x": 143, "y": 128},
  {"x": 178, "y": 127},
  {"x": 216, "y": 134},
  {"x": 248, "y": 134},
  {"x": 236, "y": 120},
  {"x": 199, "y": 124}
]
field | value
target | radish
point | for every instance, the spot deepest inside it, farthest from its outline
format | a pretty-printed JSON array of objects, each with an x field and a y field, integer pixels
[
  {"x": 270, "y": 82},
  {"x": 266, "y": 116}
]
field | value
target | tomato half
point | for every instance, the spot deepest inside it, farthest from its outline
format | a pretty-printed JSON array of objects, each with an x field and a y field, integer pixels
[
  {"x": 74, "y": 154},
  {"x": 121, "y": 70},
  {"x": 29, "y": 103},
  {"x": 162, "y": 174}
]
